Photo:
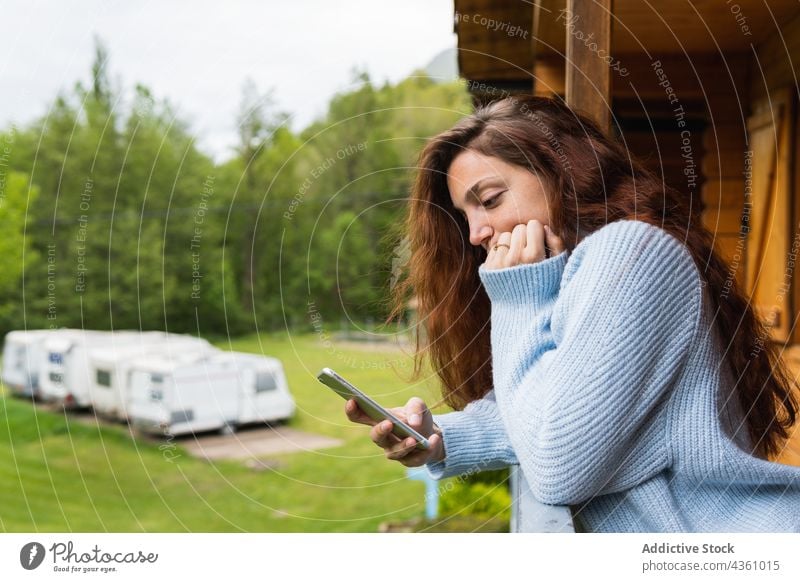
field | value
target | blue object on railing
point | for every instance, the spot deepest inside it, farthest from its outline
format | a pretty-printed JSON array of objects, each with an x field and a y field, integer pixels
[{"x": 431, "y": 490}]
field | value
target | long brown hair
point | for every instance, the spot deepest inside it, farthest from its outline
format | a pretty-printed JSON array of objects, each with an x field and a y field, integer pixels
[{"x": 590, "y": 180}]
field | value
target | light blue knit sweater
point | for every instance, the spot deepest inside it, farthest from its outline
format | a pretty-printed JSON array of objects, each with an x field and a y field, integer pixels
[{"x": 609, "y": 393}]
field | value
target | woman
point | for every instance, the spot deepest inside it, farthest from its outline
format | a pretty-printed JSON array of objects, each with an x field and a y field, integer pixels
[{"x": 617, "y": 363}]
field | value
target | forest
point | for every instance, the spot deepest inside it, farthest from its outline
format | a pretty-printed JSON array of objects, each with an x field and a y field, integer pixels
[{"x": 114, "y": 218}]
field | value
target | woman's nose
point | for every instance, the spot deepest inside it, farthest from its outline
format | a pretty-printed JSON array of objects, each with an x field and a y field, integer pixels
[{"x": 479, "y": 233}]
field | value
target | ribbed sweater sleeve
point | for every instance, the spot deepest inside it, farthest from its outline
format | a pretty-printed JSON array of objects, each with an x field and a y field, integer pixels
[
  {"x": 585, "y": 350},
  {"x": 474, "y": 440}
]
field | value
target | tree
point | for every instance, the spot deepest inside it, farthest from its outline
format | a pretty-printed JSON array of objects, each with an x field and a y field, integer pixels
[
  {"x": 146, "y": 231},
  {"x": 17, "y": 254},
  {"x": 260, "y": 127}
]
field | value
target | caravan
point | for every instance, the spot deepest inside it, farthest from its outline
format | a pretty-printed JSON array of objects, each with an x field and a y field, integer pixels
[
  {"x": 22, "y": 360},
  {"x": 186, "y": 395},
  {"x": 110, "y": 368},
  {"x": 64, "y": 362}
]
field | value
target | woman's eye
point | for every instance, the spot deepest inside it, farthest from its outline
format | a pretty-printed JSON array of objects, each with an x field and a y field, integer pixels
[{"x": 493, "y": 201}]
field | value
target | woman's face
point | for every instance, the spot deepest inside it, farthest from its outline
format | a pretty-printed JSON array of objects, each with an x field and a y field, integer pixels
[{"x": 494, "y": 196}]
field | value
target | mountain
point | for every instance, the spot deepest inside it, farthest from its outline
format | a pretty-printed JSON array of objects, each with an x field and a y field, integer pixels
[{"x": 444, "y": 66}]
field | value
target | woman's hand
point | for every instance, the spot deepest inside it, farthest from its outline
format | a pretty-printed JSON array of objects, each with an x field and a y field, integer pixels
[
  {"x": 416, "y": 414},
  {"x": 527, "y": 243}
]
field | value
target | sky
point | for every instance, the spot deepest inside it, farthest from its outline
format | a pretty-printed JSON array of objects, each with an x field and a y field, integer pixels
[{"x": 198, "y": 53}]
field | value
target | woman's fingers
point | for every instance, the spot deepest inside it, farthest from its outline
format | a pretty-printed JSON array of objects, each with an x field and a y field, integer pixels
[
  {"x": 418, "y": 416},
  {"x": 355, "y": 414},
  {"x": 526, "y": 243},
  {"x": 554, "y": 243},
  {"x": 401, "y": 449},
  {"x": 514, "y": 254},
  {"x": 503, "y": 245},
  {"x": 404, "y": 450},
  {"x": 535, "y": 247},
  {"x": 495, "y": 258},
  {"x": 409, "y": 455},
  {"x": 381, "y": 434}
]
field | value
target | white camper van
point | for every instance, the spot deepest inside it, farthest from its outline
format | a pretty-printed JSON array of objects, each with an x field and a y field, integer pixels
[
  {"x": 173, "y": 396},
  {"x": 64, "y": 376},
  {"x": 22, "y": 356},
  {"x": 110, "y": 368}
]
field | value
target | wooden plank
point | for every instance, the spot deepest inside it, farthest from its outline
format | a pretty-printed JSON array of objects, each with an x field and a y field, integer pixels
[
  {"x": 791, "y": 452},
  {"x": 548, "y": 33},
  {"x": 701, "y": 25},
  {"x": 790, "y": 455},
  {"x": 588, "y": 76},
  {"x": 667, "y": 141},
  {"x": 774, "y": 48},
  {"x": 732, "y": 248},
  {"x": 776, "y": 63},
  {"x": 724, "y": 136},
  {"x": 531, "y": 516},
  {"x": 548, "y": 65},
  {"x": 724, "y": 163},
  {"x": 727, "y": 103},
  {"x": 795, "y": 226},
  {"x": 549, "y": 77},
  {"x": 494, "y": 39},
  {"x": 669, "y": 27},
  {"x": 724, "y": 221},
  {"x": 725, "y": 193},
  {"x": 768, "y": 281},
  {"x": 729, "y": 74},
  {"x": 723, "y": 201}
]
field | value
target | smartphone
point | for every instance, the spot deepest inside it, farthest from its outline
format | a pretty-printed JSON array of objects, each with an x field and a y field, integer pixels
[{"x": 371, "y": 408}]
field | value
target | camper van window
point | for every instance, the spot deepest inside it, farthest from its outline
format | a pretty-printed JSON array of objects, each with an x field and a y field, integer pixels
[
  {"x": 156, "y": 378},
  {"x": 56, "y": 378},
  {"x": 265, "y": 382},
  {"x": 20, "y": 359},
  {"x": 104, "y": 378}
]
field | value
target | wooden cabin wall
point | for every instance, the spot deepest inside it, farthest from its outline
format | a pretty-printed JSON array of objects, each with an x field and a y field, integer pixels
[
  {"x": 776, "y": 64},
  {"x": 773, "y": 135},
  {"x": 723, "y": 191},
  {"x": 712, "y": 91},
  {"x": 773, "y": 93},
  {"x": 494, "y": 45},
  {"x": 696, "y": 105},
  {"x": 774, "y": 78}
]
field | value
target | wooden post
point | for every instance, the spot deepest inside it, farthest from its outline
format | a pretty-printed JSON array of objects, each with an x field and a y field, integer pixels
[
  {"x": 588, "y": 78},
  {"x": 548, "y": 62}
]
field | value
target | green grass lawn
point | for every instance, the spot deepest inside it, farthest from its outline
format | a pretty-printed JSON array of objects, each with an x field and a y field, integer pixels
[{"x": 60, "y": 475}]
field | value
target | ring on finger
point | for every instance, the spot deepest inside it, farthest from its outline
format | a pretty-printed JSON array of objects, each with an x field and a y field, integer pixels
[{"x": 497, "y": 246}]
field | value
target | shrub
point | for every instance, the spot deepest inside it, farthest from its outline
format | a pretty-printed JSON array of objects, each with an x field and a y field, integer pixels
[{"x": 484, "y": 495}]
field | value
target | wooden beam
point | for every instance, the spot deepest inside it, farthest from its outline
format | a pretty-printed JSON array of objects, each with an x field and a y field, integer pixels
[
  {"x": 588, "y": 76},
  {"x": 548, "y": 28},
  {"x": 548, "y": 62}
]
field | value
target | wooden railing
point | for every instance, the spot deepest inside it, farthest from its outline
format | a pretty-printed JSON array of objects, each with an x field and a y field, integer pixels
[
  {"x": 527, "y": 514},
  {"x": 531, "y": 516}
]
